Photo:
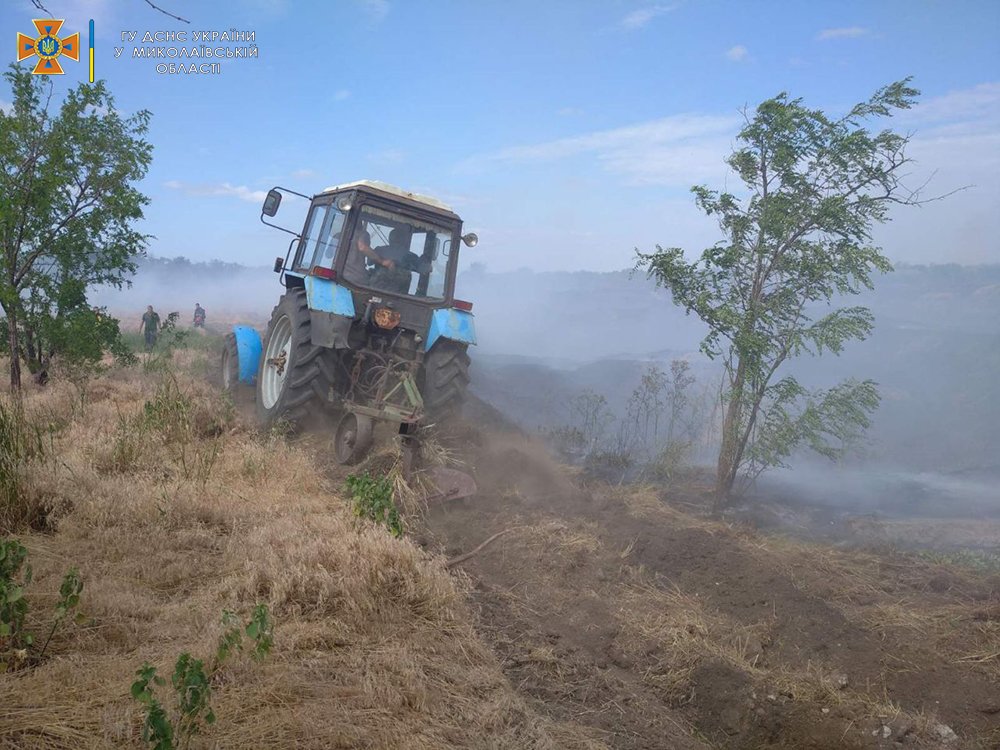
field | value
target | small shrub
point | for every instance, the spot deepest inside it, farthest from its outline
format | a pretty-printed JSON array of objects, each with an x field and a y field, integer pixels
[
  {"x": 14, "y": 577},
  {"x": 16, "y": 641},
  {"x": 69, "y": 598},
  {"x": 192, "y": 683},
  {"x": 80, "y": 339},
  {"x": 372, "y": 498},
  {"x": 168, "y": 339},
  {"x": 671, "y": 460}
]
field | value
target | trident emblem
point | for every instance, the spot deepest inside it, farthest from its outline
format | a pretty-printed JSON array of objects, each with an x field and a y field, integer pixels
[{"x": 48, "y": 46}]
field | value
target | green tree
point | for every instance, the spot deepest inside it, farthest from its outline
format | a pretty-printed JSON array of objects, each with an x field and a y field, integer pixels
[
  {"x": 799, "y": 235},
  {"x": 68, "y": 206}
]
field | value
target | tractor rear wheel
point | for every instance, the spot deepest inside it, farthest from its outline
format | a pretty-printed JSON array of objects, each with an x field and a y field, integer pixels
[
  {"x": 294, "y": 376},
  {"x": 446, "y": 380}
]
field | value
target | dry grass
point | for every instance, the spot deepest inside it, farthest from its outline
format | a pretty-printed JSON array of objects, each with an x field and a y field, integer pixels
[
  {"x": 674, "y": 631},
  {"x": 174, "y": 510},
  {"x": 948, "y": 609},
  {"x": 936, "y": 602},
  {"x": 645, "y": 501}
]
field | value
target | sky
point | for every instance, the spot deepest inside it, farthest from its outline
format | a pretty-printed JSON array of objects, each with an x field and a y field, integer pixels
[{"x": 566, "y": 133}]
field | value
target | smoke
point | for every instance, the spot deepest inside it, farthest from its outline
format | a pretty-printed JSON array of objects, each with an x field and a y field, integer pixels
[
  {"x": 229, "y": 292},
  {"x": 546, "y": 338},
  {"x": 567, "y": 319},
  {"x": 889, "y": 491}
]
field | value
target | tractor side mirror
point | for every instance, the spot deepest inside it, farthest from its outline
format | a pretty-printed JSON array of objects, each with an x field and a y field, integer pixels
[
  {"x": 279, "y": 263},
  {"x": 271, "y": 203}
]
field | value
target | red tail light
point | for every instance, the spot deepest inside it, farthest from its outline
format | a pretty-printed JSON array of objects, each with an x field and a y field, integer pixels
[
  {"x": 461, "y": 304},
  {"x": 324, "y": 273}
]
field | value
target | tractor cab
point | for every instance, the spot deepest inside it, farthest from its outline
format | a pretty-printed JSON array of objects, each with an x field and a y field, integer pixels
[{"x": 377, "y": 239}]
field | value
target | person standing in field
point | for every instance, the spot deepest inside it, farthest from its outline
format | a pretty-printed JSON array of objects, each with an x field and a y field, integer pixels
[
  {"x": 199, "y": 315},
  {"x": 150, "y": 326}
]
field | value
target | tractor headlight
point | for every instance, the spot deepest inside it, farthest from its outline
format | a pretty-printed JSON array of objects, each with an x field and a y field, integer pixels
[
  {"x": 470, "y": 239},
  {"x": 386, "y": 318},
  {"x": 345, "y": 202}
]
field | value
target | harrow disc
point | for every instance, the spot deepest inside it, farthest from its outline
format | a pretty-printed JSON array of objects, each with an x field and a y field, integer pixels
[{"x": 352, "y": 438}]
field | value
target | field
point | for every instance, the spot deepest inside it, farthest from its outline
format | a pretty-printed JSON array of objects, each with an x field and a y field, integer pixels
[{"x": 601, "y": 616}]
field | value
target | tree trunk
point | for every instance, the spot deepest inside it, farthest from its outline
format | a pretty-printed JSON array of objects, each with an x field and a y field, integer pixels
[
  {"x": 14, "y": 345},
  {"x": 725, "y": 475},
  {"x": 32, "y": 355},
  {"x": 731, "y": 450}
]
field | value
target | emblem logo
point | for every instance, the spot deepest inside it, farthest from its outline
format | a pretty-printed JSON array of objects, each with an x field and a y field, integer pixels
[{"x": 48, "y": 46}]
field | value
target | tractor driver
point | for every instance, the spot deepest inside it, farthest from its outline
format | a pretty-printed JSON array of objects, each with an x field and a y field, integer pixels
[
  {"x": 396, "y": 261},
  {"x": 356, "y": 269}
]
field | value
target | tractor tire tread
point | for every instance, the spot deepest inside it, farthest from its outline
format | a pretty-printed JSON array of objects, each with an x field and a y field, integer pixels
[
  {"x": 310, "y": 375},
  {"x": 446, "y": 380}
]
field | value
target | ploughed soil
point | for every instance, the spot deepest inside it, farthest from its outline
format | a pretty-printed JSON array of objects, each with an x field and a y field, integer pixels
[{"x": 631, "y": 611}]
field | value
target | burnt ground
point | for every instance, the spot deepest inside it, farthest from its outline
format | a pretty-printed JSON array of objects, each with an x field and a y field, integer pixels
[{"x": 630, "y": 611}]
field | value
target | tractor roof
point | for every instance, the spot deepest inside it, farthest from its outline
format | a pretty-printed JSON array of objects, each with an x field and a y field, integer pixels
[{"x": 383, "y": 187}]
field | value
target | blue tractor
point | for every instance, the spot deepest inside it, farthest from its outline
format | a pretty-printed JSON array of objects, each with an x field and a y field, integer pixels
[{"x": 368, "y": 328}]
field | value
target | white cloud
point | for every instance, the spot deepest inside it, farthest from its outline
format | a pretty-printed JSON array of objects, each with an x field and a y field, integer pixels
[
  {"x": 738, "y": 53},
  {"x": 301, "y": 174},
  {"x": 981, "y": 102},
  {"x": 570, "y": 112},
  {"x": 676, "y": 150},
  {"x": 846, "y": 32},
  {"x": 377, "y": 10},
  {"x": 224, "y": 189},
  {"x": 341, "y": 94},
  {"x": 956, "y": 143},
  {"x": 642, "y": 16},
  {"x": 957, "y": 135}
]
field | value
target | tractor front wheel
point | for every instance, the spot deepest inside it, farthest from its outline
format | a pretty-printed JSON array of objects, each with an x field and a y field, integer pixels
[
  {"x": 294, "y": 376},
  {"x": 230, "y": 365}
]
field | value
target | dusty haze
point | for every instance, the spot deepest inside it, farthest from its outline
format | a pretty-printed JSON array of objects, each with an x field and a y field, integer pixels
[{"x": 547, "y": 337}]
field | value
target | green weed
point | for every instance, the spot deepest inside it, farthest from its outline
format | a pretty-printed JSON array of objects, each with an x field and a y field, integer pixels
[
  {"x": 192, "y": 682},
  {"x": 16, "y": 642},
  {"x": 372, "y": 498}
]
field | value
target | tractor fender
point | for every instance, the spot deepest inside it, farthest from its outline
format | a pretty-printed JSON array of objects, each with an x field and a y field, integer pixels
[
  {"x": 449, "y": 323},
  {"x": 326, "y": 295},
  {"x": 248, "y": 350},
  {"x": 331, "y": 312}
]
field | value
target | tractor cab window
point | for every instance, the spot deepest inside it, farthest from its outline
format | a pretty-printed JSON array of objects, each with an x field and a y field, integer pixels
[
  {"x": 322, "y": 235},
  {"x": 400, "y": 255}
]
